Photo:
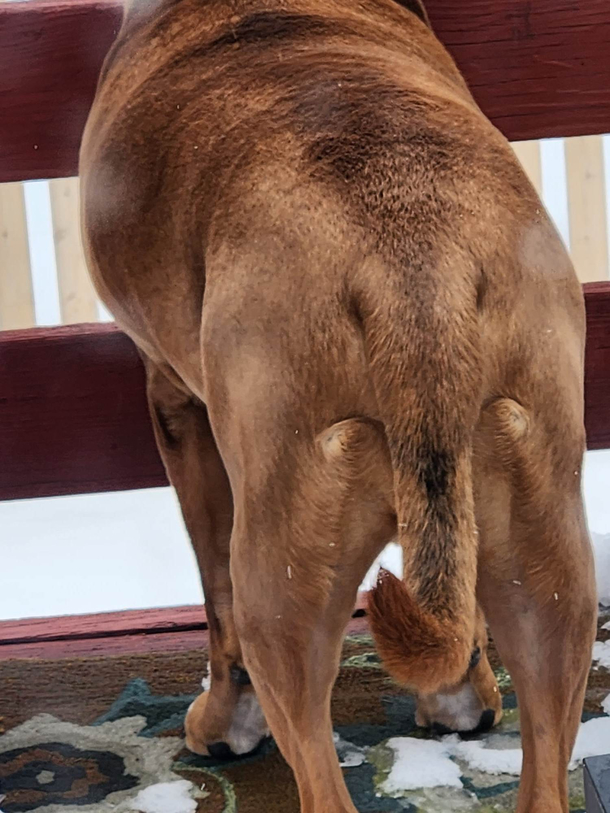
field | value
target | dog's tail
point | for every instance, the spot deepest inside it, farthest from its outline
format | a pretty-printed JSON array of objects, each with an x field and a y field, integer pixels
[{"x": 424, "y": 353}]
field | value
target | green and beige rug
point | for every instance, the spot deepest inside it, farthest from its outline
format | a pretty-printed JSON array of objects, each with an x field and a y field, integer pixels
[{"x": 104, "y": 734}]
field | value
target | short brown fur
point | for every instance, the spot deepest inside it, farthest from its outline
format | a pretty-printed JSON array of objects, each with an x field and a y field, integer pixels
[{"x": 357, "y": 323}]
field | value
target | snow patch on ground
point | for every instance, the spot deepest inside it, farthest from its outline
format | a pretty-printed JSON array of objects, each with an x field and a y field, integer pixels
[
  {"x": 420, "y": 764},
  {"x": 601, "y": 653},
  {"x": 487, "y": 760},
  {"x": 431, "y": 764},
  {"x": 592, "y": 740},
  {"x": 606, "y": 705},
  {"x": 350, "y": 755},
  {"x": 166, "y": 797}
]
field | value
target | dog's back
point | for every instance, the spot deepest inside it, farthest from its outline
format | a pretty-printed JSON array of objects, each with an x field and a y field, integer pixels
[{"x": 351, "y": 111}]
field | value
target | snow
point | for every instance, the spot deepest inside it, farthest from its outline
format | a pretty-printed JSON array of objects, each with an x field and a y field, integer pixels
[
  {"x": 593, "y": 740},
  {"x": 601, "y": 550},
  {"x": 166, "y": 797},
  {"x": 601, "y": 653},
  {"x": 390, "y": 559},
  {"x": 350, "y": 755},
  {"x": 430, "y": 763},
  {"x": 95, "y": 553},
  {"x": 606, "y": 705},
  {"x": 420, "y": 764},
  {"x": 595, "y": 489},
  {"x": 488, "y": 760}
]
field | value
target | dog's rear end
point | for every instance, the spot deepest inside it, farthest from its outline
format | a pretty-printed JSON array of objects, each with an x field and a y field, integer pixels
[{"x": 306, "y": 224}]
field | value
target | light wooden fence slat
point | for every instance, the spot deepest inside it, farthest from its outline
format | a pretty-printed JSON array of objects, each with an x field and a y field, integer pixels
[
  {"x": 16, "y": 293},
  {"x": 77, "y": 296},
  {"x": 587, "y": 206},
  {"x": 528, "y": 152}
]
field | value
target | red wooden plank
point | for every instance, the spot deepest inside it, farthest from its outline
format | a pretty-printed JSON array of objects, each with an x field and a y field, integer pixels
[
  {"x": 139, "y": 644},
  {"x": 537, "y": 69},
  {"x": 597, "y": 369},
  {"x": 130, "y": 632},
  {"x": 103, "y": 625},
  {"x": 74, "y": 420},
  {"x": 114, "y": 625},
  {"x": 73, "y": 414},
  {"x": 126, "y": 645},
  {"x": 50, "y": 58}
]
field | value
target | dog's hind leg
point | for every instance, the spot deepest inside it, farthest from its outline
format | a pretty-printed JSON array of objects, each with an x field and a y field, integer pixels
[
  {"x": 227, "y": 719},
  {"x": 536, "y": 582},
  {"x": 303, "y": 541}
]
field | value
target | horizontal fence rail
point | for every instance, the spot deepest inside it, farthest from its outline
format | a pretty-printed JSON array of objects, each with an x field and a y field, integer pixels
[
  {"x": 50, "y": 59},
  {"x": 73, "y": 414},
  {"x": 538, "y": 70}
]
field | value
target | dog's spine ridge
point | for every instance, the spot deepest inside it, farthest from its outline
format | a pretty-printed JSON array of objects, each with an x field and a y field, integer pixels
[{"x": 425, "y": 370}]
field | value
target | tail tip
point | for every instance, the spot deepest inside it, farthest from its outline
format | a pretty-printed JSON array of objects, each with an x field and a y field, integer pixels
[{"x": 418, "y": 649}]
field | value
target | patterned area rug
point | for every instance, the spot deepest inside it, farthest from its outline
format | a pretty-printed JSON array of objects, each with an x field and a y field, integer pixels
[{"x": 97, "y": 735}]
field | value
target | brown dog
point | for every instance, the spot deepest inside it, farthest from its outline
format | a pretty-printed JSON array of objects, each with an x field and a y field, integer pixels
[{"x": 357, "y": 322}]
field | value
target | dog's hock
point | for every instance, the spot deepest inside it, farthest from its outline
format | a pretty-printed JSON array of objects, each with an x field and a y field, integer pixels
[
  {"x": 352, "y": 440},
  {"x": 344, "y": 437},
  {"x": 511, "y": 421},
  {"x": 334, "y": 441}
]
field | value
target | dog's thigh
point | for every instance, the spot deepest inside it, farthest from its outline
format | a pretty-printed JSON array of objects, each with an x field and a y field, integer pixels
[{"x": 536, "y": 582}]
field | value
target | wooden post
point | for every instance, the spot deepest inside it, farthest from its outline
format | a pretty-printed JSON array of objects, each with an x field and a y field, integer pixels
[
  {"x": 528, "y": 153},
  {"x": 77, "y": 296},
  {"x": 16, "y": 293},
  {"x": 587, "y": 206}
]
